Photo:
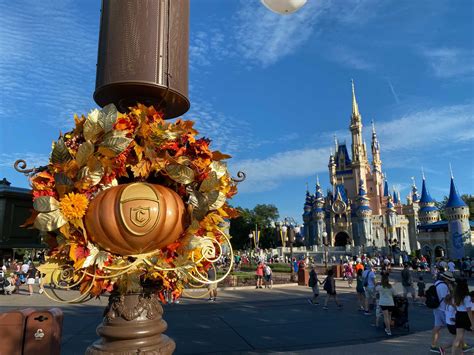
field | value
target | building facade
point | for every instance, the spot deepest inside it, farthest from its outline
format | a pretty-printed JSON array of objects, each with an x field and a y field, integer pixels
[{"x": 359, "y": 210}]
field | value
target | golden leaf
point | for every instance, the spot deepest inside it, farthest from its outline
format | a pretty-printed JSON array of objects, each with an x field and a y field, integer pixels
[
  {"x": 199, "y": 203},
  {"x": 216, "y": 155},
  {"x": 47, "y": 270},
  {"x": 138, "y": 151},
  {"x": 141, "y": 169},
  {"x": 92, "y": 175},
  {"x": 45, "y": 204},
  {"x": 60, "y": 153},
  {"x": 216, "y": 200},
  {"x": 92, "y": 128},
  {"x": 85, "y": 150},
  {"x": 219, "y": 167},
  {"x": 114, "y": 143},
  {"x": 62, "y": 179},
  {"x": 49, "y": 221},
  {"x": 180, "y": 173},
  {"x": 107, "y": 117},
  {"x": 210, "y": 183}
]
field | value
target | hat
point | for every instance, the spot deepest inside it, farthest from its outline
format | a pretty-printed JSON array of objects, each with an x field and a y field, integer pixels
[{"x": 448, "y": 276}]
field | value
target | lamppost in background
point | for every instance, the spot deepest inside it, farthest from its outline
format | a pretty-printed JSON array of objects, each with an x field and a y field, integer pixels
[{"x": 326, "y": 249}]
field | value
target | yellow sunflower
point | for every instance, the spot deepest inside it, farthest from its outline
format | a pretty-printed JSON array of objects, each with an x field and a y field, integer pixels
[{"x": 73, "y": 205}]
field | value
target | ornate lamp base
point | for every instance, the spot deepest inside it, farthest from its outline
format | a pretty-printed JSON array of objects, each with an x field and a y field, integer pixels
[{"x": 132, "y": 325}]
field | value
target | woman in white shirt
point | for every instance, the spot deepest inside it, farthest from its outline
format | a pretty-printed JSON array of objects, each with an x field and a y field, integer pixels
[
  {"x": 464, "y": 319},
  {"x": 386, "y": 293}
]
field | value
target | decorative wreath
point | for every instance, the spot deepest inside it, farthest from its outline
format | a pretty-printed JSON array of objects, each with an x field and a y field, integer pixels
[{"x": 106, "y": 149}]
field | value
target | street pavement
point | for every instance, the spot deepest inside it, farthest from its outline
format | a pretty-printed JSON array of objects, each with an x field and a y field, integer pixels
[{"x": 250, "y": 321}]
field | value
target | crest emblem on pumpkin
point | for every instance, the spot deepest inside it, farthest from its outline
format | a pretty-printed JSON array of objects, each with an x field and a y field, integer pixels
[
  {"x": 139, "y": 208},
  {"x": 140, "y": 216}
]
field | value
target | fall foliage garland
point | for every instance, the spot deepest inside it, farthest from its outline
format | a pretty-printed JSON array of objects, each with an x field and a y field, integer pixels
[{"x": 108, "y": 148}]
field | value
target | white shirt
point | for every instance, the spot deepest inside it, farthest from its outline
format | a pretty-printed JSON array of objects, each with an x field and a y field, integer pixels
[
  {"x": 442, "y": 290},
  {"x": 451, "y": 266},
  {"x": 385, "y": 295},
  {"x": 450, "y": 315},
  {"x": 465, "y": 304},
  {"x": 25, "y": 268}
]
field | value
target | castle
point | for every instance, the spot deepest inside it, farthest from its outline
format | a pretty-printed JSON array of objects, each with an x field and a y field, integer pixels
[{"x": 361, "y": 212}]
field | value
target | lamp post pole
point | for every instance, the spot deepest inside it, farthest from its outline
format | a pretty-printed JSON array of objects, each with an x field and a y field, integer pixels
[{"x": 325, "y": 245}]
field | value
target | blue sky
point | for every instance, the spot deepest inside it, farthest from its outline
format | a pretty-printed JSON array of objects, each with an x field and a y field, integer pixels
[{"x": 270, "y": 90}]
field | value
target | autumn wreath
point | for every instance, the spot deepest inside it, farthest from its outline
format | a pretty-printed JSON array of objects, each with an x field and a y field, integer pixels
[{"x": 108, "y": 149}]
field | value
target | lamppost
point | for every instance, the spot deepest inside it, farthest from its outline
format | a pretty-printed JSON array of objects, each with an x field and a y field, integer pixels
[{"x": 325, "y": 244}]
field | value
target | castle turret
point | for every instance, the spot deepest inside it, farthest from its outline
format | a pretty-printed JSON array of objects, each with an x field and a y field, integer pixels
[
  {"x": 364, "y": 214},
  {"x": 307, "y": 215},
  {"x": 428, "y": 212},
  {"x": 391, "y": 221},
  {"x": 457, "y": 213},
  {"x": 318, "y": 216},
  {"x": 332, "y": 169},
  {"x": 411, "y": 211}
]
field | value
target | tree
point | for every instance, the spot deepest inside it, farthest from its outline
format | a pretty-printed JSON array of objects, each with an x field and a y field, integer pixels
[{"x": 262, "y": 216}]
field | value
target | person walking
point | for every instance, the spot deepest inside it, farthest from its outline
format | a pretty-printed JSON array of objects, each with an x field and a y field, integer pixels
[
  {"x": 349, "y": 273},
  {"x": 464, "y": 318},
  {"x": 313, "y": 282},
  {"x": 442, "y": 286},
  {"x": 407, "y": 283},
  {"x": 421, "y": 289},
  {"x": 369, "y": 286},
  {"x": 360, "y": 290},
  {"x": 259, "y": 274},
  {"x": 386, "y": 303},
  {"x": 330, "y": 288}
]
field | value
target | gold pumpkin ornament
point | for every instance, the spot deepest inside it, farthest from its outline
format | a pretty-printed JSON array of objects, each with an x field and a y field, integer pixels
[{"x": 135, "y": 218}]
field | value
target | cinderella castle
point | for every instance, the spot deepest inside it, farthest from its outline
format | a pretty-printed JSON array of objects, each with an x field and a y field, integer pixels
[{"x": 360, "y": 211}]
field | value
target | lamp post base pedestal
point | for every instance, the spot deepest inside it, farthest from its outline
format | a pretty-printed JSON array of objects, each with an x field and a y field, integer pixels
[{"x": 132, "y": 324}]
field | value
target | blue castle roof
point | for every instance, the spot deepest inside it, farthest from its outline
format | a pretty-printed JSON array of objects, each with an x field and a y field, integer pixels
[
  {"x": 340, "y": 189},
  {"x": 342, "y": 149},
  {"x": 395, "y": 198},
  {"x": 454, "y": 199},
  {"x": 386, "y": 192},
  {"x": 414, "y": 194},
  {"x": 428, "y": 208},
  {"x": 425, "y": 195},
  {"x": 362, "y": 191},
  {"x": 364, "y": 208}
]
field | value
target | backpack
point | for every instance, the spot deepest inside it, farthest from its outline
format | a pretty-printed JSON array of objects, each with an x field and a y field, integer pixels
[
  {"x": 327, "y": 285},
  {"x": 268, "y": 271},
  {"x": 432, "y": 299}
]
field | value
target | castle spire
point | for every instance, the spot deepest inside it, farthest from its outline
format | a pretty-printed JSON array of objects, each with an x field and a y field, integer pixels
[
  {"x": 454, "y": 199},
  {"x": 355, "y": 107}
]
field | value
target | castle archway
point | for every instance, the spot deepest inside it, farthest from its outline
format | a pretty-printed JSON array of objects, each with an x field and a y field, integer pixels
[{"x": 342, "y": 239}]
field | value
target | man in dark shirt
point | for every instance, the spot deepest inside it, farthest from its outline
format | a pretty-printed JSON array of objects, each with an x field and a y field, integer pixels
[{"x": 407, "y": 282}]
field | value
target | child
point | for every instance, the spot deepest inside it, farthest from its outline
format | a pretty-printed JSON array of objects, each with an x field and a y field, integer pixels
[
  {"x": 421, "y": 290},
  {"x": 314, "y": 284}
]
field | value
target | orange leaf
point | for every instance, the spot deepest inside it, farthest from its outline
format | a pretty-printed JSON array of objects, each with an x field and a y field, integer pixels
[{"x": 217, "y": 155}]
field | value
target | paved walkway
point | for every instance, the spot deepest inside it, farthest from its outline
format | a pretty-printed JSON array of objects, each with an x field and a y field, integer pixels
[{"x": 250, "y": 321}]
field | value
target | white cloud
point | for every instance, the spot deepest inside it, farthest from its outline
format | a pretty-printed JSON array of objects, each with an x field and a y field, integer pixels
[
  {"x": 266, "y": 174},
  {"x": 349, "y": 57},
  {"x": 39, "y": 63},
  {"x": 417, "y": 133},
  {"x": 450, "y": 62}
]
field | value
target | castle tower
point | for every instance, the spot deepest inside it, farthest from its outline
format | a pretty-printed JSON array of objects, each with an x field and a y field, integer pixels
[
  {"x": 307, "y": 216},
  {"x": 318, "y": 216},
  {"x": 413, "y": 207},
  {"x": 428, "y": 212},
  {"x": 359, "y": 150},
  {"x": 391, "y": 221},
  {"x": 376, "y": 172},
  {"x": 332, "y": 169},
  {"x": 341, "y": 222},
  {"x": 457, "y": 213},
  {"x": 364, "y": 214}
]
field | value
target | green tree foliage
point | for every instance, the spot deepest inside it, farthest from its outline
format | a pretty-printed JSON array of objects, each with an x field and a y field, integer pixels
[{"x": 263, "y": 216}]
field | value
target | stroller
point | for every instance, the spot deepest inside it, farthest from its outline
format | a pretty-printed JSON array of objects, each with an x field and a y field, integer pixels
[
  {"x": 5, "y": 285},
  {"x": 400, "y": 313}
]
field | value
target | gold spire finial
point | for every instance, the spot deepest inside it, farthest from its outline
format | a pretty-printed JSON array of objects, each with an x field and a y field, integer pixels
[
  {"x": 317, "y": 179},
  {"x": 355, "y": 107},
  {"x": 373, "y": 127}
]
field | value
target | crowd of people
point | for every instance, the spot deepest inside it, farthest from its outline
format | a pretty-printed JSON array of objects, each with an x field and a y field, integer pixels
[
  {"x": 449, "y": 297},
  {"x": 16, "y": 274}
]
